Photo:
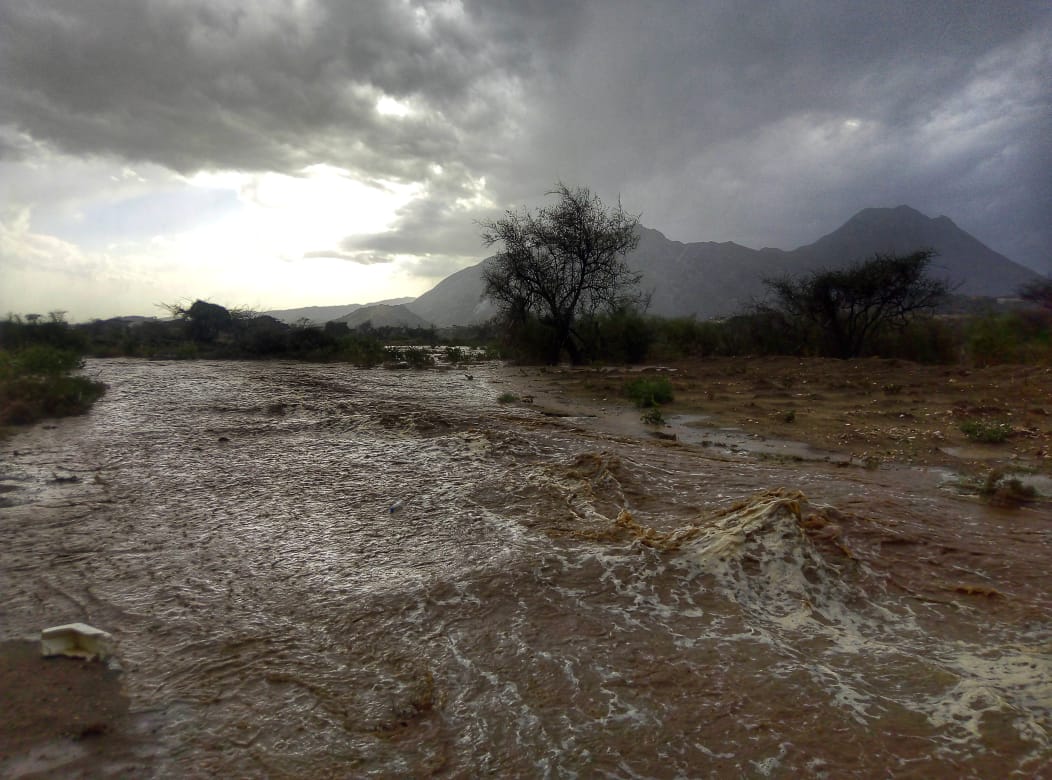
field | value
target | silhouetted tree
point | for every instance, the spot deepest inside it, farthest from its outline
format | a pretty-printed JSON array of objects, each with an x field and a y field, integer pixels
[
  {"x": 1038, "y": 291},
  {"x": 204, "y": 320},
  {"x": 849, "y": 306},
  {"x": 560, "y": 263}
]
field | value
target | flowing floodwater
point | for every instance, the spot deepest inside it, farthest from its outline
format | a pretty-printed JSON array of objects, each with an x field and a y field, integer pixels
[{"x": 320, "y": 571}]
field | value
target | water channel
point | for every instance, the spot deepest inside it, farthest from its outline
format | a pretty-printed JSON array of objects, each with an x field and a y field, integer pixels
[{"x": 321, "y": 571}]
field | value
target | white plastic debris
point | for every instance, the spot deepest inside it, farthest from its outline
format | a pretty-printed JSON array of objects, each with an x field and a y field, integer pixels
[{"x": 76, "y": 640}]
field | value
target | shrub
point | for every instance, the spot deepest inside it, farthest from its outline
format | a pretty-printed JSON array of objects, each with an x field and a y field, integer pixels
[
  {"x": 985, "y": 431},
  {"x": 507, "y": 398},
  {"x": 35, "y": 383},
  {"x": 1001, "y": 490},
  {"x": 1013, "y": 337},
  {"x": 653, "y": 416},
  {"x": 646, "y": 392},
  {"x": 416, "y": 357},
  {"x": 623, "y": 335}
]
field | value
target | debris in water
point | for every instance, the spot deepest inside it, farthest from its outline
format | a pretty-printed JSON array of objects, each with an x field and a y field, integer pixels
[{"x": 76, "y": 640}]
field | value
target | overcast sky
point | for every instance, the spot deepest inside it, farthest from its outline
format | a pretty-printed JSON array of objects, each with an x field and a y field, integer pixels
[{"x": 283, "y": 153}]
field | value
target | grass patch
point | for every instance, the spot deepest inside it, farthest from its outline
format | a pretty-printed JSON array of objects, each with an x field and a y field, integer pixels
[
  {"x": 985, "y": 431},
  {"x": 36, "y": 382},
  {"x": 646, "y": 392},
  {"x": 507, "y": 398}
]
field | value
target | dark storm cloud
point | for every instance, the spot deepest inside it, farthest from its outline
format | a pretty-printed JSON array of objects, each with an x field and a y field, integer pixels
[
  {"x": 698, "y": 118},
  {"x": 764, "y": 123},
  {"x": 270, "y": 86}
]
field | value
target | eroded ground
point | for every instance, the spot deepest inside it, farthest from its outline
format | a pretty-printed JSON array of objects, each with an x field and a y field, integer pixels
[{"x": 872, "y": 412}]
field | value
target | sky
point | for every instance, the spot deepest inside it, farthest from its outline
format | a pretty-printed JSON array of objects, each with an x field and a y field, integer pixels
[{"x": 286, "y": 153}]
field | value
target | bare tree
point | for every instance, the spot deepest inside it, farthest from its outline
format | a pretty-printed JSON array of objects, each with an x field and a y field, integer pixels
[
  {"x": 849, "y": 306},
  {"x": 560, "y": 263}
]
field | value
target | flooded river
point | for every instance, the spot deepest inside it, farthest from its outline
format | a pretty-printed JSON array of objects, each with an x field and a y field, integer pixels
[{"x": 319, "y": 571}]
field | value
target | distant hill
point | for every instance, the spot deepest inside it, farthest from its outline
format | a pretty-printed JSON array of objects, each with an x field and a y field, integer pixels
[
  {"x": 456, "y": 300},
  {"x": 382, "y": 315},
  {"x": 962, "y": 258},
  {"x": 319, "y": 315},
  {"x": 707, "y": 279}
]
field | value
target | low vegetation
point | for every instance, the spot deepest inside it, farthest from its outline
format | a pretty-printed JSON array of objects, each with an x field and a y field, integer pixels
[
  {"x": 37, "y": 372},
  {"x": 208, "y": 330},
  {"x": 985, "y": 431},
  {"x": 649, "y": 392},
  {"x": 1002, "y": 490}
]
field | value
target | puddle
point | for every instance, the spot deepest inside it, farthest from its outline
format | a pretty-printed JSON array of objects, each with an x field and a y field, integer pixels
[{"x": 695, "y": 429}]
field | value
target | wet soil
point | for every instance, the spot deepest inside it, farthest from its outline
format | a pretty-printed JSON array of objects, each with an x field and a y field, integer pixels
[
  {"x": 871, "y": 412},
  {"x": 61, "y": 716}
]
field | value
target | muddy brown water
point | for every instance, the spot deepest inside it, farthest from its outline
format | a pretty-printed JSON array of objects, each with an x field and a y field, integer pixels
[{"x": 319, "y": 571}]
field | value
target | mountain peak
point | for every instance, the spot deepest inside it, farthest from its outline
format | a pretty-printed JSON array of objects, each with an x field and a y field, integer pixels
[
  {"x": 881, "y": 215},
  {"x": 901, "y": 230}
]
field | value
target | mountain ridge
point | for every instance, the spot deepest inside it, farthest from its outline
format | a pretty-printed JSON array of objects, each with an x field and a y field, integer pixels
[{"x": 707, "y": 279}]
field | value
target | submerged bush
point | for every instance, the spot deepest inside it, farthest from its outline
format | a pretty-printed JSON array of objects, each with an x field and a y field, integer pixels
[{"x": 1000, "y": 489}]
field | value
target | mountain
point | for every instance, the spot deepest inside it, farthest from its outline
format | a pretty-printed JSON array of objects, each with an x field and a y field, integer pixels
[
  {"x": 319, "y": 315},
  {"x": 708, "y": 279},
  {"x": 382, "y": 315},
  {"x": 962, "y": 258},
  {"x": 456, "y": 300}
]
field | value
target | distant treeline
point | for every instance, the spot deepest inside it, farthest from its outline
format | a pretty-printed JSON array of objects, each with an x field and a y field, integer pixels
[
  {"x": 208, "y": 330},
  {"x": 979, "y": 331},
  {"x": 971, "y": 331},
  {"x": 38, "y": 358}
]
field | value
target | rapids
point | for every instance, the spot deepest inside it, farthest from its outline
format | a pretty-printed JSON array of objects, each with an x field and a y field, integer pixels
[{"x": 320, "y": 571}]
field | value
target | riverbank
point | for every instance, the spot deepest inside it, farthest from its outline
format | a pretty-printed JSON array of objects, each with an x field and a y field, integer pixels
[
  {"x": 62, "y": 715},
  {"x": 869, "y": 412}
]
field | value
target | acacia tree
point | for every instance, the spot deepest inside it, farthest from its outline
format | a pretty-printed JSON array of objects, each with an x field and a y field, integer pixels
[
  {"x": 561, "y": 263},
  {"x": 849, "y": 306}
]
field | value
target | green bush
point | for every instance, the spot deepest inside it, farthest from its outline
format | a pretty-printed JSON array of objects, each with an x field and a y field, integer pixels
[
  {"x": 680, "y": 337},
  {"x": 647, "y": 391},
  {"x": 35, "y": 382},
  {"x": 653, "y": 416},
  {"x": 985, "y": 431},
  {"x": 41, "y": 360},
  {"x": 922, "y": 340},
  {"x": 1013, "y": 337},
  {"x": 620, "y": 336}
]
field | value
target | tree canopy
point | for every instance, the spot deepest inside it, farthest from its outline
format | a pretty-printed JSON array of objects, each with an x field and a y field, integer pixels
[
  {"x": 850, "y": 306},
  {"x": 560, "y": 263}
]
